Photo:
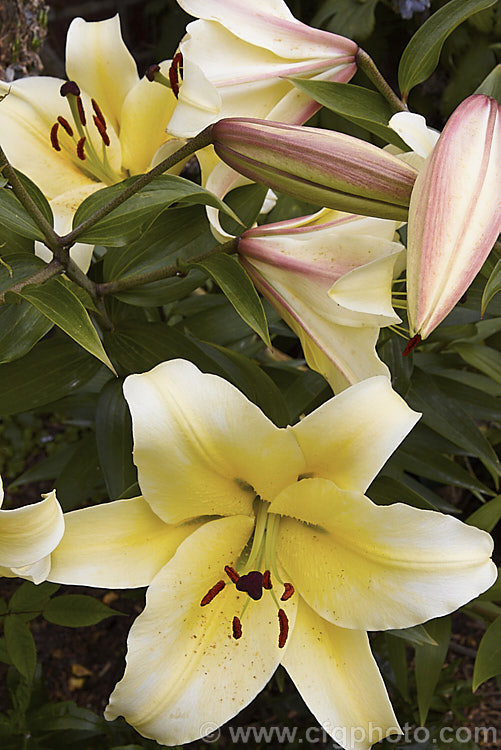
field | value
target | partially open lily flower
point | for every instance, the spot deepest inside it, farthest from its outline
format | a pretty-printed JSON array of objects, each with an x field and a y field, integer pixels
[
  {"x": 28, "y": 535},
  {"x": 259, "y": 547},
  {"x": 330, "y": 277},
  {"x": 238, "y": 59},
  {"x": 73, "y": 138}
]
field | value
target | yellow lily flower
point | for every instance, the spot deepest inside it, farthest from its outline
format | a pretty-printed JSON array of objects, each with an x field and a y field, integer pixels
[
  {"x": 73, "y": 138},
  {"x": 237, "y": 59},
  {"x": 28, "y": 535},
  {"x": 259, "y": 547},
  {"x": 330, "y": 277}
]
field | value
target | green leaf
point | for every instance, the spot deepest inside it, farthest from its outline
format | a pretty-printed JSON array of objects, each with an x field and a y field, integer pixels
[
  {"x": 448, "y": 419},
  {"x": 20, "y": 646},
  {"x": 359, "y": 105},
  {"x": 350, "y": 18},
  {"x": 239, "y": 290},
  {"x": 52, "y": 369},
  {"x": 493, "y": 285},
  {"x": 37, "y": 197},
  {"x": 488, "y": 661},
  {"x": 487, "y": 516},
  {"x": 396, "y": 651},
  {"x": 420, "y": 57},
  {"x": 114, "y": 439},
  {"x": 30, "y": 598},
  {"x": 81, "y": 477},
  {"x": 21, "y": 325},
  {"x": 57, "y": 301},
  {"x": 491, "y": 86},
  {"x": 484, "y": 358},
  {"x": 438, "y": 468},
  {"x": 77, "y": 610},
  {"x": 428, "y": 663},
  {"x": 14, "y": 216},
  {"x": 418, "y": 635},
  {"x": 494, "y": 593},
  {"x": 127, "y": 222}
]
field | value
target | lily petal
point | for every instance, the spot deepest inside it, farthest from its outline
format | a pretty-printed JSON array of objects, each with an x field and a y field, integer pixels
[
  {"x": 29, "y": 534},
  {"x": 184, "y": 670},
  {"x": 121, "y": 544},
  {"x": 413, "y": 130},
  {"x": 27, "y": 114},
  {"x": 98, "y": 60},
  {"x": 145, "y": 113},
  {"x": 199, "y": 444},
  {"x": 360, "y": 429},
  {"x": 364, "y": 566},
  {"x": 339, "y": 681},
  {"x": 63, "y": 208}
]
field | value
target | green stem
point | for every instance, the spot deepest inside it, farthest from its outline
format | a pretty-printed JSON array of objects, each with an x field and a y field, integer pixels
[
  {"x": 369, "y": 67},
  {"x": 195, "y": 144},
  {"x": 52, "y": 239},
  {"x": 112, "y": 287},
  {"x": 54, "y": 268}
]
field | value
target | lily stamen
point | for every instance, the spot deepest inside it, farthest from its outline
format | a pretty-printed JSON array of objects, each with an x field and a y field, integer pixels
[
  {"x": 80, "y": 148},
  {"x": 288, "y": 592},
  {"x": 99, "y": 113},
  {"x": 212, "y": 593},
  {"x": 267, "y": 584},
  {"x": 231, "y": 573},
  {"x": 174, "y": 78},
  {"x": 284, "y": 628},
  {"x": 66, "y": 125},
  {"x": 237, "y": 628},
  {"x": 53, "y": 137}
]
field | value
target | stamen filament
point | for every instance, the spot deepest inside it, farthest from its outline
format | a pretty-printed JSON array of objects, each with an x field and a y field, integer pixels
[
  {"x": 273, "y": 522},
  {"x": 259, "y": 533}
]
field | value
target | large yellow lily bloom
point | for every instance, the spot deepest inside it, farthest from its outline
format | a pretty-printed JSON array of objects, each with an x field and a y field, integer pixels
[
  {"x": 27, "y": 537},
  {"x": 259, "y": 548},
  {"x": 71, "y": 145}
]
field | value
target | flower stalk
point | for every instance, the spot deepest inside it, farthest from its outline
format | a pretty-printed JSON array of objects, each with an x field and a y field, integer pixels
[{"x": 369, "y": 67}]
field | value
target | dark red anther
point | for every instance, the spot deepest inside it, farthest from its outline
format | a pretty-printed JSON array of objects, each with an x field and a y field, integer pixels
[
  {"x": 53, "y": 136},
  {"x": 212, "y": 593},
  {"x": 176, "y": 64},
  {"x": 151, "y": 71},
  {"x": 231, "y": 573},
  {"x": 284, "y": 628},
  {"x": 102, "y": 130},
  {"x": 66, "y": 125},
  {"x": 237, "y": 628},
  {"x": 411, "y": 344},
  {"x": 80, "y": 148},
  {"x": 99, "y": 113},
  {"x": 81, "y": 112},
  {"x": 252, "y": 584},
  {"x": 70, "y": 87},
  {"x": 288, "y": 591},
  {"x": 267, "y": 580}
]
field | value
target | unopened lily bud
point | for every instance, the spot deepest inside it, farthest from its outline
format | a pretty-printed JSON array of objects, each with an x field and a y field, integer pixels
[
  {"x": 455, "y": 213},
  {"x": 330, "y": 169}
]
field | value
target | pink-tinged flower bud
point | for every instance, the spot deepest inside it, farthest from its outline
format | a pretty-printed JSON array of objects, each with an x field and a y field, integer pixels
[
  {"x": 455, "y": 212},
  {"x": 330, "y": 277},
  {"x": 330, "y": 169}
]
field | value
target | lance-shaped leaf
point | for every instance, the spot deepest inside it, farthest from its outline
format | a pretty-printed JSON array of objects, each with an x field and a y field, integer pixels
[
  {"x": 455, "y": 213},
  {"x": 320, "y": 166}
]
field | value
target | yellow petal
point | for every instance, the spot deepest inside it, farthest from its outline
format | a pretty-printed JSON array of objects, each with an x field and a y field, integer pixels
[
  {"x": 30, "y": 533},
  {"x": 370, "y": 567},
  {"x": 145, "y": 113},
  {"x": 197, "y": 438},
  {"x": 27, "y": 115},
  {"x": 122, "y": 544},
  {"x": 360, "y": 429},
  {"x": 63, "y": 208},
  {"x": 100, "y": 63},
  {"x": 339, "y": 681},
  {"x": 185, "y": 672}
]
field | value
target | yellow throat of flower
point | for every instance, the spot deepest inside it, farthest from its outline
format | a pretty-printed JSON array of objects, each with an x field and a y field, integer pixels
[
  {"x": 257, "y": 571},
  {"x": 76, "y": 141}
]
